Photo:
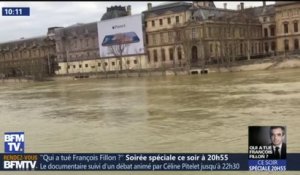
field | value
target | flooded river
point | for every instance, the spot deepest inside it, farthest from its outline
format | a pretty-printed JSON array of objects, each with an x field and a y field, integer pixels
[{"x": 181, "y": 114}]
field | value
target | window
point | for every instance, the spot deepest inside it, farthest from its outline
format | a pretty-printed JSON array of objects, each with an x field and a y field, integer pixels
[
  {"x": 80, "y": 66},
  {"x": 128, "y": 62},
  {"x": 99, "y": 64},
  {"x": 146, "y": 24},
  {"x": 105, "y": 64},
  {"x": 135, "y": 61},
  {"x": 209, "y": 31},
  {"x": 148, "y": 53},
  {"x": 273, "y": 46},
  {"x": 266, "y": 32},
  {"x": 272, "y": 31},
  {"x": 179, "y": 53},
  {"x": 153, "y": 23},
  {"x": 74, "y": 66},
  {"x": 178, "y": 37},
  {"x": 154, "y": 39},
  {"x": 68, "y": 67},
  {"x": 286, "y": 45},
  {"x": 177, "y": 19},
  {"x": 241, "y": 48},
  {"x": 286, "y": 27},
  {"x": 211, "y": 48},
  {"x": 87, "y": 42},
  {"x": 162, "y": 38},
  {"x": 113, "y": 63},
  {"x": 266, "y": 47},
  {"x": 171, "y": 53},
  {"x": 296, "y": 44},
  {"x": 265, "y": 19},
  {"x": 241, "y": 32},
  {"x": 155, "y": 55},
  {"x": 163, "y": 55},
  {"x": 147, "y": 39},
  {"x": 86, "y": 65},
  {"x": 160, "y": 22},
  {"x": 296, "y": 27},
  {"x": 193, "y": 33},
  {"x": 170, "y": 36},
  {"x": 169, "y": 20}
]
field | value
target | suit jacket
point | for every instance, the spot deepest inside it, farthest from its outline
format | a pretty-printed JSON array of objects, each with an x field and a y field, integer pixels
[{"x": 282, "y": 154}]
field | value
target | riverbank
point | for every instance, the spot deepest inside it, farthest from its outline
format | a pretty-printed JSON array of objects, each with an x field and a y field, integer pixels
[
  {"x": 262, "y": 65},
  {"x": 248, "y": 65}
]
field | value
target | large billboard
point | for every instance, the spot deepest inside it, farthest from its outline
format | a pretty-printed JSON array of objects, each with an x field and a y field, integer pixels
[{"x": 121, "y": 36}]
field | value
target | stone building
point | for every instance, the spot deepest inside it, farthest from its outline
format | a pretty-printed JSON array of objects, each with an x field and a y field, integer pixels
[
  {"x": 77, "y": 47},
  {"x": 176, "y": 35},
  {"x": 287, "y": 17},
  {"x": 163, "y": 50},
  {"x": 33, "y": 57},
  {"x": 198, "y": 33}
]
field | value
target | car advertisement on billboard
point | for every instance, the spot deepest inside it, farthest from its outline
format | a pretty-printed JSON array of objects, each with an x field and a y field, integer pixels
[{"x": 121, "y": 36}]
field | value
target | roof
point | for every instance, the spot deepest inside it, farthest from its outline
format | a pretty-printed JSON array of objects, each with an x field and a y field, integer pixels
[
  {"x": 25, "y": 40},
  {"x": 77, "y": 29},
  {"x": 261, "y": 11},
  {"x": 114, "y": 12},
  {"x": 281, "y": 3},
  {"x": 174, "y": 7}
]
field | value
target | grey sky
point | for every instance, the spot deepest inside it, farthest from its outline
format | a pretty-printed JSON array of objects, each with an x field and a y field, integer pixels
[{"x": 50, "y": 14}]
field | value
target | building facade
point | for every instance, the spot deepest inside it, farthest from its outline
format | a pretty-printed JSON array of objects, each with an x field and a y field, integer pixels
[
  {"x": 287, "y": 17},
  {"x": 34, "y": 57},
  {"x": 176, "y": 35}
]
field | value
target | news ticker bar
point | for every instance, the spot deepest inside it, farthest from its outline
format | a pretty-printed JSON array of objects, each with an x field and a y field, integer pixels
[{"x": 143, "y": 162}]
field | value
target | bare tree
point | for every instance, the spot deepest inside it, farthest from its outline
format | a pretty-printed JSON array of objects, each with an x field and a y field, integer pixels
[
  {"x": 103, "y": 64},
  {"x": 119, "y": 49}
]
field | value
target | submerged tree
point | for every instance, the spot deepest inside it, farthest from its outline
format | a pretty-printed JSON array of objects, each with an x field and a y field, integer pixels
[{"x": 119, "y": 48}]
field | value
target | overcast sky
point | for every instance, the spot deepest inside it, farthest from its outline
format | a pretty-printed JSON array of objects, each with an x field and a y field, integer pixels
[{"x": 63, "y": 14}]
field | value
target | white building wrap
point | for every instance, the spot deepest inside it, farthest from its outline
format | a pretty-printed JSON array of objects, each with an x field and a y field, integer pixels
[{"x": 121, "y": 36}]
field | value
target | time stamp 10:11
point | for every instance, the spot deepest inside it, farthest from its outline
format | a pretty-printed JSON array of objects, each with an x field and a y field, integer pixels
[{"x": 15, "y": 11}]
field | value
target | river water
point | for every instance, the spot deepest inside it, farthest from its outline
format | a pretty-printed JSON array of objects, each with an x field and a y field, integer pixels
[{"x": 197, "y": 114}]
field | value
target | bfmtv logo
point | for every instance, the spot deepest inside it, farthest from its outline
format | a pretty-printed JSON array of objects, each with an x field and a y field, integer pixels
[{"x": 14, "y": 142}]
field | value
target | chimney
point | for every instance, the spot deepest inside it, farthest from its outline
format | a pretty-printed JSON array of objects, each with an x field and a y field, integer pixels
[
  {"x": 149, "y": 6},
  {"x": 242, "y": 6},
  {"x": 129, "y": 10},
  {"x": 225, "y": 5},
  {"x": 264, "y": 3}
]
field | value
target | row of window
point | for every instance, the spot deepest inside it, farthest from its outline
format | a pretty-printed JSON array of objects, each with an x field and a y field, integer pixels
[
  {"x": 272, "y": 31},
  {"x": 286, "y": 27},
  {"x": 161, "y": 38},
  {"x": 290, "y": 12},
  {"x": 236, "y": 49},
  {"x": 79, "y": 44},
  {"x": 170, "y": 37},
  {"x": 232, "y": 31},
  {"x": 154, "y": 55},
  {"x": 84, "y": 55},
  {"x": 24, "y": 54},
  {"x": 99, "y": 64},
  {"x": 161, "y": 21},
  {"x": 287, "y": 46}
]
